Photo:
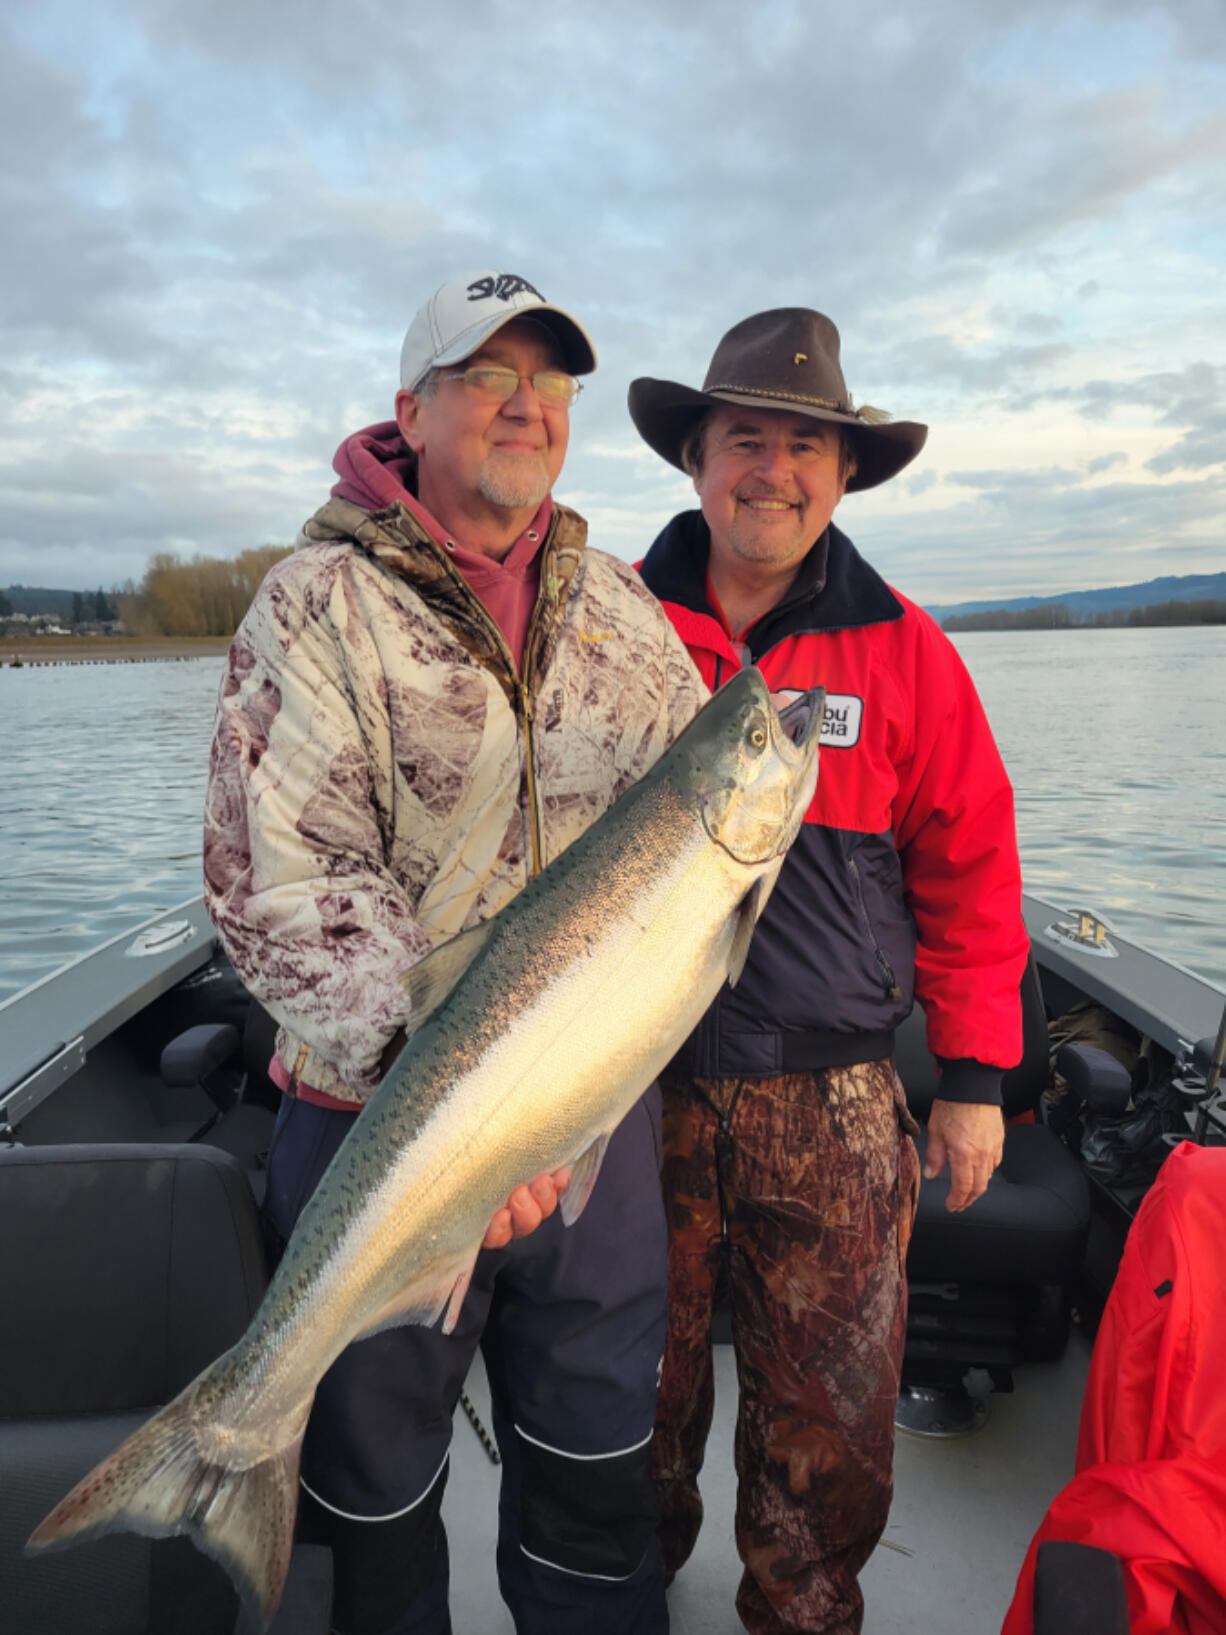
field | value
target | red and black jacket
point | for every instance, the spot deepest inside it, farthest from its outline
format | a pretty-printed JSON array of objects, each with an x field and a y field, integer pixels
[{"x": 904, "y": 882}]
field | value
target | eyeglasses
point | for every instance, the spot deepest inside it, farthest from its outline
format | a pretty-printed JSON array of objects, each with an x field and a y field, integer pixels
[{"x": 555, "y": 388}]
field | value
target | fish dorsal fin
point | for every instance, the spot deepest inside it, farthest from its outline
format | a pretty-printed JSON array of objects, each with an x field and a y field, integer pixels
[
  {"x": 583, "y": 1173},
  {"x": 746, "y": 919},
  {"x": 432, "y": 979}
]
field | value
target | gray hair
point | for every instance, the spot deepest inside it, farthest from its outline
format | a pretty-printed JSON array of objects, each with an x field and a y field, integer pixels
[
  {"x": 694, "y": 449},
  {"x": 428, "y": 384}
]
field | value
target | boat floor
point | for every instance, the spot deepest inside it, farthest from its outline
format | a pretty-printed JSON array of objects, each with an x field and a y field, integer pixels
[{"x": 963, "y": 1515}]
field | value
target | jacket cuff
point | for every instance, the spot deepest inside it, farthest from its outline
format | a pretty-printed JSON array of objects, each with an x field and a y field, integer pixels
[{"x": 965, "y": 1079}]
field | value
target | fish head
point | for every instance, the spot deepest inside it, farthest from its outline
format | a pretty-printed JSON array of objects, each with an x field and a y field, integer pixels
[{"x": 753, "y": 770}]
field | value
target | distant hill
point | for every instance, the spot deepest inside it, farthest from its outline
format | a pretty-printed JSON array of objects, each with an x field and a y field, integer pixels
[{"x": 1084, "y": 604}]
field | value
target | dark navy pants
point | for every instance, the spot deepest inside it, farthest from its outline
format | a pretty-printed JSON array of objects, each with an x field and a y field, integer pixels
[{"x": 571, "y": 1324}]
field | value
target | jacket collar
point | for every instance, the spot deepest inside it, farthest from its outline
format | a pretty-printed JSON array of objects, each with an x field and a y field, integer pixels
[
  {"x": 396, "y": 539},
  {"x": 834, "y": 588}
]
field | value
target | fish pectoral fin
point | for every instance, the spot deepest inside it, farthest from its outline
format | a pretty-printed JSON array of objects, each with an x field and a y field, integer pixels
[
  {"x": 432, "y": 979},
  {"x": 746, "y": 918},
  {"x": 455, "y": 1304},
  {"x": 583, "y": 1173},
  {"x": 425, "y": 1301}
]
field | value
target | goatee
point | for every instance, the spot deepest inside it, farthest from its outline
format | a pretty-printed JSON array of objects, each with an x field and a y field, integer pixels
[{"x": 514, "y": 483}]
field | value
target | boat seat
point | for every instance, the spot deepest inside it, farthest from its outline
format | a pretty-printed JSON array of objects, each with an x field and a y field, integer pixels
[
  {"x": 129, "y": 1269},
  {"x": 231, "y": 1067},
  {"x": 991, "y": 1286}
]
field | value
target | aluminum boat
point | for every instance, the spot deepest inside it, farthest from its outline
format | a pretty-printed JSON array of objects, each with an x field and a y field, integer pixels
[{"x": 149, "y": 1053}]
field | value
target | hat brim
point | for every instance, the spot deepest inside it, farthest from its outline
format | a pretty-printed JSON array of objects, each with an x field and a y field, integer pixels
[
  {"x": 578, "y": 353},
  {"x": 665, "y": 412}
]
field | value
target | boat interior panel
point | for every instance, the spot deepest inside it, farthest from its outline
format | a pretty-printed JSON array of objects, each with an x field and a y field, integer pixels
[
  {"x": 122, "y": 1283},
  {"x": 48, "y": 1030},
  {"x": 1166, "y": 1003}
]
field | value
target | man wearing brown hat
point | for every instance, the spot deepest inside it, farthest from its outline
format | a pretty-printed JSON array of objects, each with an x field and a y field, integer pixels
[{"x": 790, "y": 1173}]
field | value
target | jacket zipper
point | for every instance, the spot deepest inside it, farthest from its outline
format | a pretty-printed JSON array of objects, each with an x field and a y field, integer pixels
[
  {"x": 547, "y": 592},
  {"x": 521, "y": 684},
  {"x": 887, "y": 972},
  {"x": 534, "y": 812}
]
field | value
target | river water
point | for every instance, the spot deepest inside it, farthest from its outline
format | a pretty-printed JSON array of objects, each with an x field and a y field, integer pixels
[{"x": 1114, "y": 739}]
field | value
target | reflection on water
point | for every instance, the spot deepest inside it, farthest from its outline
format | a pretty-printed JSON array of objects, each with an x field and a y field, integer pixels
[{"x": 1114, "y": 740}]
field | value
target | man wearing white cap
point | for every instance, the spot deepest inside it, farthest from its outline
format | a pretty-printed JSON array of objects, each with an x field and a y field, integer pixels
[{"x": 427, "y": 702}]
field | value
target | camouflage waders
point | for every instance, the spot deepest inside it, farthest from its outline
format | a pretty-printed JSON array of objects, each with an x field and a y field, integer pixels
[{"x": 794, "y": 1198}]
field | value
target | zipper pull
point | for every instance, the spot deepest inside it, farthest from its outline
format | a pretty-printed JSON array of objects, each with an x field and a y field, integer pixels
[{"x": 723, "y": 1142}]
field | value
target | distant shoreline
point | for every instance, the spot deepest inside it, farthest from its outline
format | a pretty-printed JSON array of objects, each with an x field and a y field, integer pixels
[
  {"x": 1015, "y": 629},
  {"x": 1057, "y": 616},
  {"x": 38, "y": 651}
]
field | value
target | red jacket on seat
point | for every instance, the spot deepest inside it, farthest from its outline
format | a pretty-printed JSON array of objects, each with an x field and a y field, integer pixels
[{"x": 1151, "y": 1456}]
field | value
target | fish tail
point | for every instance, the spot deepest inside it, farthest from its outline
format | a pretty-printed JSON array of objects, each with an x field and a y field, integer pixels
[{"x": 159, "y": 1483}]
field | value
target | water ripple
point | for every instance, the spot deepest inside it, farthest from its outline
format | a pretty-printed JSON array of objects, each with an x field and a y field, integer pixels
[
  {"x": 1113, "y": 740},
  {"x": 101, "y": 803}
]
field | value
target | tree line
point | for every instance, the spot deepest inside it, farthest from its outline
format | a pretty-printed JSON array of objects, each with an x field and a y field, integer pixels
[
  {"x": 206, "y": 596},
  {"x": 87, "y": 607},
  {"x": 1057, "y": 616}
]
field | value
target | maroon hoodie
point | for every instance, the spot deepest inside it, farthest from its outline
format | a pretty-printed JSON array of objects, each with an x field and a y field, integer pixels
[{"x": 378, "y": 470}]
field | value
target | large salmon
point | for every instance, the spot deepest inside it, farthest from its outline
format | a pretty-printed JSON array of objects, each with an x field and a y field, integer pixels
[{"x": 533, "y": 1034}]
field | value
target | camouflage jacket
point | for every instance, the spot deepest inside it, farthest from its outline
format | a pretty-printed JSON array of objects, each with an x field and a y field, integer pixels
[{"x": 383, "y": 777}]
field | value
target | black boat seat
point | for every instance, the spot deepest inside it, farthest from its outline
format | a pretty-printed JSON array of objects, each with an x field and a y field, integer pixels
[
  {"x": 194, "y": 1056},
  {"x": 1028, "y": 1227},
  {"x": 129, "y": 1269},
  {"x": 232, "y": 1069},
  {"x": 991, "y": 1286}
]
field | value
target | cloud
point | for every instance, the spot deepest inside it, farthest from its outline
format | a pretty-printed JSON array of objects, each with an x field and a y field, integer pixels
[
  {"x": 941, "y": 360},
  {"x": 1191, "y": 400},
  {"x": 1040, "y": 541},
  {"x": 1196, "y": 450},
  {"x": 1105, "y": 462},
  {"x": 988, "y": 481},
  {"x": 1078, "y": 163},
  {"x": 222, "y": 216}
]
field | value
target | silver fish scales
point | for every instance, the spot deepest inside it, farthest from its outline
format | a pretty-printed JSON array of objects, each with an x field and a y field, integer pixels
[{"x": 533, "y": 1035}]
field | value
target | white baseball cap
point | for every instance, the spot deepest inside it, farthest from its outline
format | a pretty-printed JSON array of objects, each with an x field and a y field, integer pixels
[{"x": 462, "y": 315}]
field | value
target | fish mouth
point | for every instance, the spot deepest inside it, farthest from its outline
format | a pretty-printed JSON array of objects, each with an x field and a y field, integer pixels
[
  {"x": 797, "y": 733},
  {"x": 801, "y": 720}
]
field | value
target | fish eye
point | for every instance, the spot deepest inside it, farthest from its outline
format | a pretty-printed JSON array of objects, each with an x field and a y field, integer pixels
[{"x": 757, "y": 737}]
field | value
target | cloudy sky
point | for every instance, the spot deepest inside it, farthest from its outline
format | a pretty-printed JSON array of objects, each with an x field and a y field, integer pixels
[{"x": 221, "y": 214}]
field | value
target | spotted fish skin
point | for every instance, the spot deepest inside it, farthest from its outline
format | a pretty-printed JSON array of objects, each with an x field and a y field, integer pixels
[{"x": 535, "y": 1033}]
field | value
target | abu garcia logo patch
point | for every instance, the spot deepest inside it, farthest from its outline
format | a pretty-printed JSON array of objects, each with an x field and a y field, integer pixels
[{"x": 841, "y": 721}]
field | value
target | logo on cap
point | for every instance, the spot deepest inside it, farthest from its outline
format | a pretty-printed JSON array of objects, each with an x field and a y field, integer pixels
[{"x": 505, "y": 286}]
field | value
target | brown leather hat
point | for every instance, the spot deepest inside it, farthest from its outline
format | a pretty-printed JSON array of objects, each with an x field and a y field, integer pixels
[{"x": 784, "y": 359}]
